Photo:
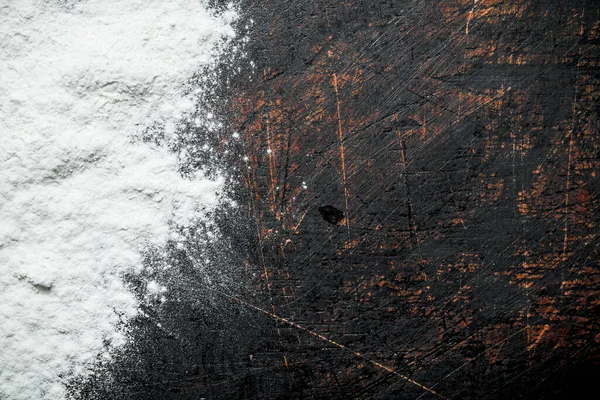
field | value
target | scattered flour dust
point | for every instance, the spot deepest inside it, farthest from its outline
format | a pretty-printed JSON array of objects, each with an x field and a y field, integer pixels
[{"x": 79, "y": 199}]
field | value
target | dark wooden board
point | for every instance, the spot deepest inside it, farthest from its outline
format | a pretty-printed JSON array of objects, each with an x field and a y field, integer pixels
[{"x": 418, "y": 211}]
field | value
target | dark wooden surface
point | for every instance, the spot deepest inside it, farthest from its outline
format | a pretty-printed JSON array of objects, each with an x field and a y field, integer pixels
[{"x": 418, "y": 211}]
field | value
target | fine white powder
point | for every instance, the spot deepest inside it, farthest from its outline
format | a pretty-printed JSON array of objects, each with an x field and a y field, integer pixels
[{"x": 79, "y": 198}]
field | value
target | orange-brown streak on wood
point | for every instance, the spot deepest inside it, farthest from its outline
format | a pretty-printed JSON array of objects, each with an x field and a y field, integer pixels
[
  {"x": 495, "y": 355},
  {"x": 470, "y": 16},
  {"x": 272, "y": 165},
  {"x": 252, "y": 184},
  {"x": 342, "y": 150},
  {"x": 543, "y": 332},
  {"x": 295, "y": 227}
]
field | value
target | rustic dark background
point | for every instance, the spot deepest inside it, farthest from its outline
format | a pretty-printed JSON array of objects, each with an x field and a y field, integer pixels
[{"x": 417, "y": 211}]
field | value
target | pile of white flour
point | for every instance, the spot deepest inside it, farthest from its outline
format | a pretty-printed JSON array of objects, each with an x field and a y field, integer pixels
[{"x": 79, "y": 199}]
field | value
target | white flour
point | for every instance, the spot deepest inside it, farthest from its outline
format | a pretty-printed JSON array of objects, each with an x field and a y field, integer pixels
[{"x": 79, "y": 200}]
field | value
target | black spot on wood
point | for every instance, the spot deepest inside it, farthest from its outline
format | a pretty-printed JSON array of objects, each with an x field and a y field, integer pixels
[{"x": 331, "y": 214}]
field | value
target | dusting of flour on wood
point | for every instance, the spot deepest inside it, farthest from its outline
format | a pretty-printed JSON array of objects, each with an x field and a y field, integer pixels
[{"x": 80, "y": 198}]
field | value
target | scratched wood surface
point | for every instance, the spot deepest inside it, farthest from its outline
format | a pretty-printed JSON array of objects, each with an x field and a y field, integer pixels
[
  {"x": 418, "y": 189},
  {"x": 460, "y": 141}
]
